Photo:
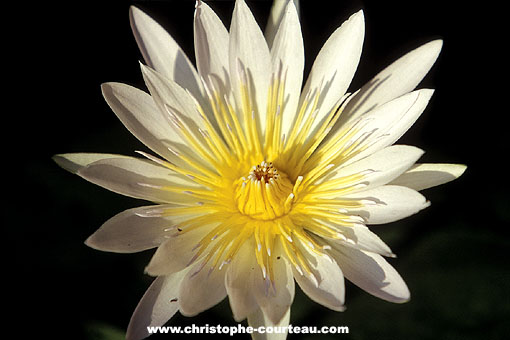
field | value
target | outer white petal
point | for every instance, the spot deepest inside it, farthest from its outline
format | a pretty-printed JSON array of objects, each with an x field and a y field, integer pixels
[
  {"x": 156, "y": 307},
  {"x": 327, "y": 284},
  {"x": 335, "y": 65},
  {"x": 139, "y": 178},
  {"x": 211, "y": 44},
  {"x": 162, "y": 53},
  {"x": 138, "y": 112},
  {"x": 259, "y": 318},
  {"x": 177, "y": 253},
  {"x": 250, "y": 60},
  {"x": 239, "y": 282},
  {"x": 391, "y": 203},
  {"x": 275, "y": 18},
  {"x": 359, "y": 236},
  {"x": 399, "y": 78},
  {"x": 170, "y": 97},
  {"x": 275, "y": 299},
  {"x": 382, "y": 166},
  {"x": 201, "y": 290},
  {"x": 288, "y": 54},
  {"x": 179, "y": 110},
  {"x": 385, "y": 124},
  {"x": 75, "y": 161},
  {"x": 424, "y": 176},
  {"x": 135, "y": 230},
  {"x": 248, "y": 290},
  {"x": 372, "y": 273}
]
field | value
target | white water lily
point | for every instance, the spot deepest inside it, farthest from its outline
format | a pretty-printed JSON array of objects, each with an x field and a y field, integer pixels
[{"x": 260, "y": 182}]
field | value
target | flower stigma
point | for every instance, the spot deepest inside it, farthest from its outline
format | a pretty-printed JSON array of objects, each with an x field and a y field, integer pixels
[{"x": 265, "y": 194}]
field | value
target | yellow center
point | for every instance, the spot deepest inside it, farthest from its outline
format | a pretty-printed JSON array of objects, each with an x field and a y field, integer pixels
[{"x": 265, "y": 193}]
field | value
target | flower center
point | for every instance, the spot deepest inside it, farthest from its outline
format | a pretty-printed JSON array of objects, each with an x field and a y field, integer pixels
[{"x": 265, "y": 194}]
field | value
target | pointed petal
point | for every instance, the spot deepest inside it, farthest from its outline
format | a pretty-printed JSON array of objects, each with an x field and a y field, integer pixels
[
  {"x": 399, "y": 78},
  {"x": 259, "y": 318},
  {"x": 360, "y": 237},
  {"x": 162, "y": 53},
  {"x": 239, "y": 282},
  {"x": 138, "y": 112},
  {"x": 139, "y": 178},
  {"x": 384, "y": 125},
  {"x": 177, "y": 253},
  {"x": 326, "y": 284},
  {"x": 335, "y": 65},
  {"x": 382, "y": 166},
  {"x": 211, "y": 44},
  {"x": 275, "y": 18},
  {"x": 73, "y": 162},
  {"x": 371, "y": 273},
  {"x": 201, "y": 290},
  {"x": 250, "y": 61},
  {"x": 424, "y": 176},
  {"x": 134, "y": 230},
  {"x": 275, "y": 298},
  {"x": 169, "y": 96},
  {"x": 391, "y": 203},
  {"x": 288, "y": 54},
  {"x": 157, "y": 306}
]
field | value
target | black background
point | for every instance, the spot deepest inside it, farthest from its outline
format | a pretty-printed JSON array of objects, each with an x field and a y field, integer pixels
[{"x": 453, "y": 255}]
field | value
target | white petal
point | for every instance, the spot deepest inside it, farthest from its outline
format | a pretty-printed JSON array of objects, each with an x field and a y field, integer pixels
[
  {"x": 288, "y": 53},
  {"x": 162, "y": 53},
  {"x": 139, "y": 178},
  {"x": 134, "y": 230},
  {"x": 138, "y": 112},
  {"x": 170, "y": 97},
  {"x": 385, "y": 124},
  {"x": 73, "y": 162},
  {"x": 177, "y": 253},
  {"x": 399, "y": 78},
  {"x": 327, "y": 284},
  {"x": 392, "y": 203},
  {"x": 239, "y": 282},
  {"x": 248, "y": 290},
  {"x": 157, "y": 306},
  {"x": 201, "y": 290},
  {"x": 260, "y": 319},
  {"x": 382, "y": 166},
  {"x": 424, "y": 176},
  {"x": 359, "y": 236},
  {"x": 250, "y": 61},
  {"x": 371, "y": 273},
  {"x": 180, "y": 111},
  {"x": 275, "y": 18},
  {"x": 211, "y": 44},
  {"x": 335, "y": 65},
  {"x": 275, "y": 298}
]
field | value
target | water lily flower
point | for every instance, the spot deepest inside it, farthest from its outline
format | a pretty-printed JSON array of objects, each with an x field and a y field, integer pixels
[{"x": 257, "y": 181}]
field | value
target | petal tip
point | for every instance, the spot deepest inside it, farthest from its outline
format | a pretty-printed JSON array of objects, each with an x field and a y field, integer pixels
[
  {"x": 61, "y": 161},
  {"x": 404, "y": 298},
  {"x": 66, "y": 162},
  {"x": 359, "y": 15},
  {"x": 437, "y": 44},
  {"x": 460, "y": 169},
  {"x": 135, "y": 12},
  {"x": 91, "y": 242},
  {"x": 106, "y": 86},
  {"x": 338, "y": 308}
]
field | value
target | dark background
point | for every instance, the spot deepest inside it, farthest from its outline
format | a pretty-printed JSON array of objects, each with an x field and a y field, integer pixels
[{"x": 453, "y": 255}]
